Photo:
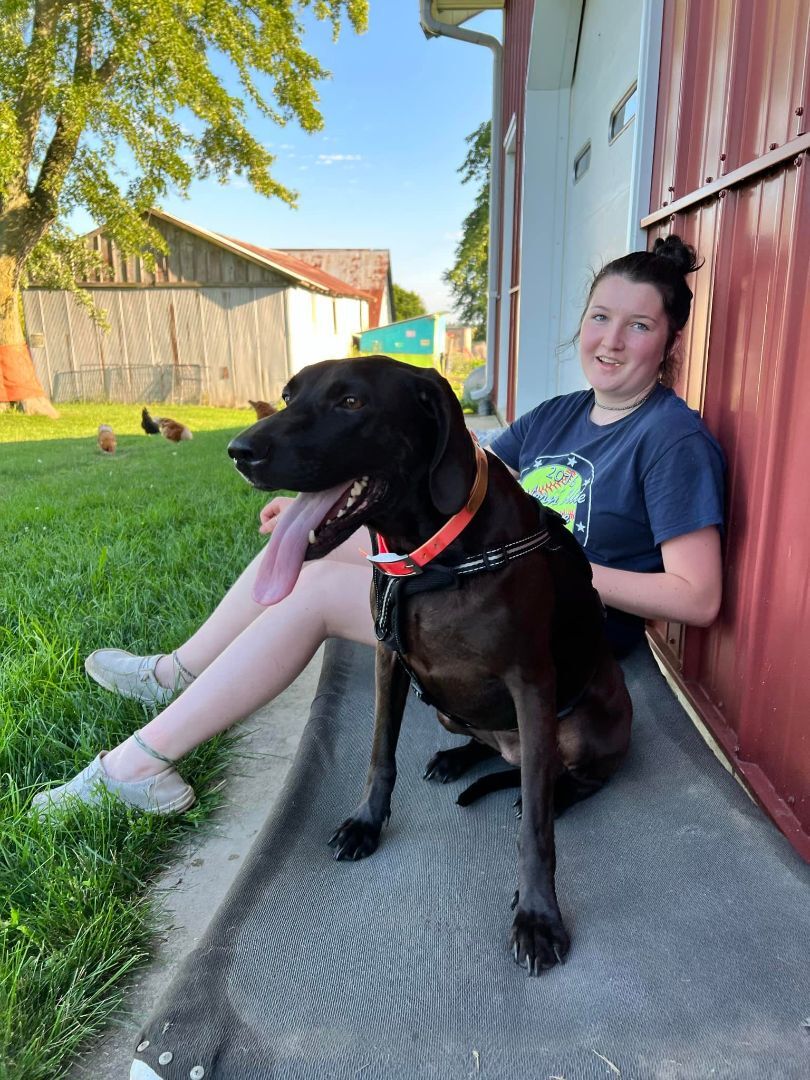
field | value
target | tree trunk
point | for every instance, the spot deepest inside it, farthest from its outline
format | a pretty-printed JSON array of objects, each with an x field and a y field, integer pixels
[{"x": 18, "y": 379}]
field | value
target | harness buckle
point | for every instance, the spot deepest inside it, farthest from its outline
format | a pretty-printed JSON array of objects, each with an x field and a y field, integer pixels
[{"x": 493, "y": 559}]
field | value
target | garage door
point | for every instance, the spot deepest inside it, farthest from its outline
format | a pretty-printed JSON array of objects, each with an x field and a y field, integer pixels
[{"x": 600, "y": 150}]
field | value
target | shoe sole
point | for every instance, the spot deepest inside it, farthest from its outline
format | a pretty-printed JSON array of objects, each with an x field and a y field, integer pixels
[{"x": 178, "y": 806}]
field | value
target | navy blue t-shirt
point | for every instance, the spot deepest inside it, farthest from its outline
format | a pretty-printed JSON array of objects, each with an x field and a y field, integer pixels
[{"x": 625, "y": 487}]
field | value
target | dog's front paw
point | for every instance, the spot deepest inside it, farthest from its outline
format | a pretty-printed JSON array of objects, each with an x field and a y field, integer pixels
[
  {"x": 538, "y": 941},
  {"x": 355, "y": 839}
]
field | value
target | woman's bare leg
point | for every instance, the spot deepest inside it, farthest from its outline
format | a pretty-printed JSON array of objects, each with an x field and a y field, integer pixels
[
  {"x": 237, "y": 610},
  {"x": 330, "y": 599}
]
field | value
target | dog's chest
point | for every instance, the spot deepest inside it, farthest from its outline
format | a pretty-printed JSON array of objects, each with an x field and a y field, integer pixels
[{"x": 457, "y": 642}]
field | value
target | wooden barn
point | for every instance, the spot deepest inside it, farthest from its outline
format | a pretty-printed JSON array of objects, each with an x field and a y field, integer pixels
[{"x": 218, "y": 321}]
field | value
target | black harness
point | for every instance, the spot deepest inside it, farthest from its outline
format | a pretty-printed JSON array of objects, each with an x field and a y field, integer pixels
[{"x": 391, "y": 595}]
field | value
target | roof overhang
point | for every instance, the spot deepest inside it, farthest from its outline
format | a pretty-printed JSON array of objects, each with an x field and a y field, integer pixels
[
  {"x": 260, "y": 257},
  {"x": 457, "y": 12}
]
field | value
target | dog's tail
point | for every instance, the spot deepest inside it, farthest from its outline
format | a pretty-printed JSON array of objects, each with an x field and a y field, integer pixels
[{"x": 496, "y": 781}]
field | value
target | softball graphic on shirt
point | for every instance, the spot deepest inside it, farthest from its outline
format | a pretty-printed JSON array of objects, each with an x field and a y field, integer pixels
[{"x": 563, "y": 482}]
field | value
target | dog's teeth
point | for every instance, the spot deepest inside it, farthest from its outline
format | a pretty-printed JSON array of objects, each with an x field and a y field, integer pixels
[
  {"x": 340, "y": 513},
  {"x": 312, "y": 536},
  {"x": 357, "y": 488},
  {"x": 350, "y": 502}
]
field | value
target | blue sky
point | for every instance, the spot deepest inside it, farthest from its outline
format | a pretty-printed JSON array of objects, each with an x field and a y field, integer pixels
[{"x": 382, "y": 172}]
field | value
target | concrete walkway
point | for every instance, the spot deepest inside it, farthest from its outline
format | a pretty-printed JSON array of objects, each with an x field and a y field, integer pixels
[{"x": 193, "y": 887}]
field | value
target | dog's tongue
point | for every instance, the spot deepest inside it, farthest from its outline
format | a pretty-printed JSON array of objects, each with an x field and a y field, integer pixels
[{"x": 284, "y": 557}]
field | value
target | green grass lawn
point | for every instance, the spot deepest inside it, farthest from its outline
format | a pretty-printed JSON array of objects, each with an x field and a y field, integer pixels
[
  {"x": 131, "y": 550},
  {"x": 457, "y": 369}
]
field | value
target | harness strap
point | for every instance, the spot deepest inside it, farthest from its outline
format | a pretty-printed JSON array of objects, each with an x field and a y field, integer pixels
[{"x": 392, "y": 591}]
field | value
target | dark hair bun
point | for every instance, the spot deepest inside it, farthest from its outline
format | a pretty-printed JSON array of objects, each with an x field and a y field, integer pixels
[{"x": 683, "y": 256}]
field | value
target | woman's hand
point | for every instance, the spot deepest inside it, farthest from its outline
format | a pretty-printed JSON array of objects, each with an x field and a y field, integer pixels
[
  {"x": 688, "y": 591},
  {"x": 269, "y": 515}
]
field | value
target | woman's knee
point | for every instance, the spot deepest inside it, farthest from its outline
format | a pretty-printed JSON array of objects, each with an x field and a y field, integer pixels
[{"x": 341, "y": 592}]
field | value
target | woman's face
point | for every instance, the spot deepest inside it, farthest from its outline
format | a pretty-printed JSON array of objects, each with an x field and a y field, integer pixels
[{"x": 622, "y": 339}]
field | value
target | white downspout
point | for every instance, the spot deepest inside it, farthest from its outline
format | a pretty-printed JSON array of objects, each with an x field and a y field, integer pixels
[{"x": 433, "y": 28}]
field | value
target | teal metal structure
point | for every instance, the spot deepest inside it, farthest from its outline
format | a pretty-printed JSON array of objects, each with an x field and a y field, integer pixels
[{"x": 422, "y": 336}]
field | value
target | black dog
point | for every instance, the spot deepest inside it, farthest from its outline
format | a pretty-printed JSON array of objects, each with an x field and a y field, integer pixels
[{"x": 502, "y": 629}]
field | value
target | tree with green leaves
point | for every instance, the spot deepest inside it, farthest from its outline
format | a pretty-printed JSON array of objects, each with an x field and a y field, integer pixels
[
  {"x": 467, "y": 277},
  {"x": 107, "y": 105},
  {"x": 407, "y": 304}
]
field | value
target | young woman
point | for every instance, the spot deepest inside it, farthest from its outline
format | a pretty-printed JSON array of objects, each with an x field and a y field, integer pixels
[{"x": 632, "y": 469}]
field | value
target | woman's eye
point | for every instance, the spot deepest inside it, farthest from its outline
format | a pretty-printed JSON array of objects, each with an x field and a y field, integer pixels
[
  {"x": 598, "y": 316},
  {"x": 641, "y": 326},
  {"x": 352, "y": 402}
]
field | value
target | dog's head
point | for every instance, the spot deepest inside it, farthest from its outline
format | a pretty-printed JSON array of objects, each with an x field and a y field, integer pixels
[{"x": 369, "y": 436}]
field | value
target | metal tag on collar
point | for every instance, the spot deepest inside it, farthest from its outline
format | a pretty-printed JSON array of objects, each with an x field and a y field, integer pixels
[{"x": 395, "y": 565}]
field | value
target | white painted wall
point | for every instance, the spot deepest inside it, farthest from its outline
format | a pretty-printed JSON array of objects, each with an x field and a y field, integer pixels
[
  {"x": 584, "y": 56},
  {"x": 596, "y": 206},
  {"x": 320, "y": 327}
]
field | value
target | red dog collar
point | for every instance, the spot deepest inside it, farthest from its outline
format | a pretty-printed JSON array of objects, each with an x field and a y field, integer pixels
[{"x": 407, "y": 565}]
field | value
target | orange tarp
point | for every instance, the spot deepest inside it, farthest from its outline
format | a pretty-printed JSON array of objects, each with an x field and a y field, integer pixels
[{"x": 18, "y": 380}]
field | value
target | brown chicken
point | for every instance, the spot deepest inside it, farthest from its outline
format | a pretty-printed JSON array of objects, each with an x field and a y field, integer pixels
[
  {"x": 263, "y": 408},
  {"x": 106, "y": 439},
  {"x": 173, "y": 430}
]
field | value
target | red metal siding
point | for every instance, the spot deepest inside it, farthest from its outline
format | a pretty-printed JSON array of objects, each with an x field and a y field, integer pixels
[
  {"x": 734, "y": 84},
  {"x": 733, "y": 74},
  {"x": 517, "y": 34},
  {"x": 517, "y": 41}
]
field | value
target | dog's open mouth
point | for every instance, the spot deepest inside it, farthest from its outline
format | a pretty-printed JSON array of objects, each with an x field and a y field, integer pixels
[{"x": 311, "y": 527}]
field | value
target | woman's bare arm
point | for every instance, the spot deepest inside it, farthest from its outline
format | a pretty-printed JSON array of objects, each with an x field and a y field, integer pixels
[{"x": 689, "y": 590}]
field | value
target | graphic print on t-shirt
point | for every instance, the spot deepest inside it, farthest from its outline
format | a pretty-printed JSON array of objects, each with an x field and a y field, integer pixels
[{"x": 563, "y": 482}]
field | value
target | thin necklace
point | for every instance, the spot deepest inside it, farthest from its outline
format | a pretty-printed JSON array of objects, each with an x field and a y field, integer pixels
[{"x": 624, "y": 408}]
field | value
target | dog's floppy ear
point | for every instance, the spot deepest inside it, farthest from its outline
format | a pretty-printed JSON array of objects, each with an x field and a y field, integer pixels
[{"x": 452, "y": 469}]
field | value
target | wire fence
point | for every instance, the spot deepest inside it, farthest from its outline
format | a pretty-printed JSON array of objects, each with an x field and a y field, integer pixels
[{"x": 176, "y": 383}]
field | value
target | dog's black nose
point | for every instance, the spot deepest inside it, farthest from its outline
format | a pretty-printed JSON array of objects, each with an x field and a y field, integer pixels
[{"x": 242, "y": 450}]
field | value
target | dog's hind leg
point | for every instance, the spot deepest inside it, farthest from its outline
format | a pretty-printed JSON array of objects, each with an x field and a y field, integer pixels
[
  {"x": 571, "y": 788},
  {"x": 448, "y": 765},
  {"x": 485, "y": 785},
  {"x": 568, "y": 789}
]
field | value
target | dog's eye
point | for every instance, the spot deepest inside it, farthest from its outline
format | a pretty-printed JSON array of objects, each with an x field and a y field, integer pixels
[
  {"x": 285, "y": 396},
  {"x": 351, "y": 402}
]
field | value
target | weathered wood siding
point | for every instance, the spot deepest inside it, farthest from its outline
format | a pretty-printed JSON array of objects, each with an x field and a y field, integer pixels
[{"x": 192, "y": 260}]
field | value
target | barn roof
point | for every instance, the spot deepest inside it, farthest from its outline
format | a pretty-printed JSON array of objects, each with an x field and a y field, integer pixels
[
  {"x": 305, "y": 271},
  {"x": 279, "y": 261}
]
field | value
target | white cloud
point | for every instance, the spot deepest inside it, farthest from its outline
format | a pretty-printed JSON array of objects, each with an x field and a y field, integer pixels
[{"x": 330, "y": 159}]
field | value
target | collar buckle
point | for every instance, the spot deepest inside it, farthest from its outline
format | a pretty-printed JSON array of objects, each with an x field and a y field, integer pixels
[{"x": 394, "y": 565}]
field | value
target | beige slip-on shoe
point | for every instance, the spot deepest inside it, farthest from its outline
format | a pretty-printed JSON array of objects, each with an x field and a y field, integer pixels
[{"x": 164, "y": 793}]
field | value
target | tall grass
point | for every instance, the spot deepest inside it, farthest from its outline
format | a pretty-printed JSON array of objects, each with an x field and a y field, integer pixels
[{"x": 131, "y": 550}]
